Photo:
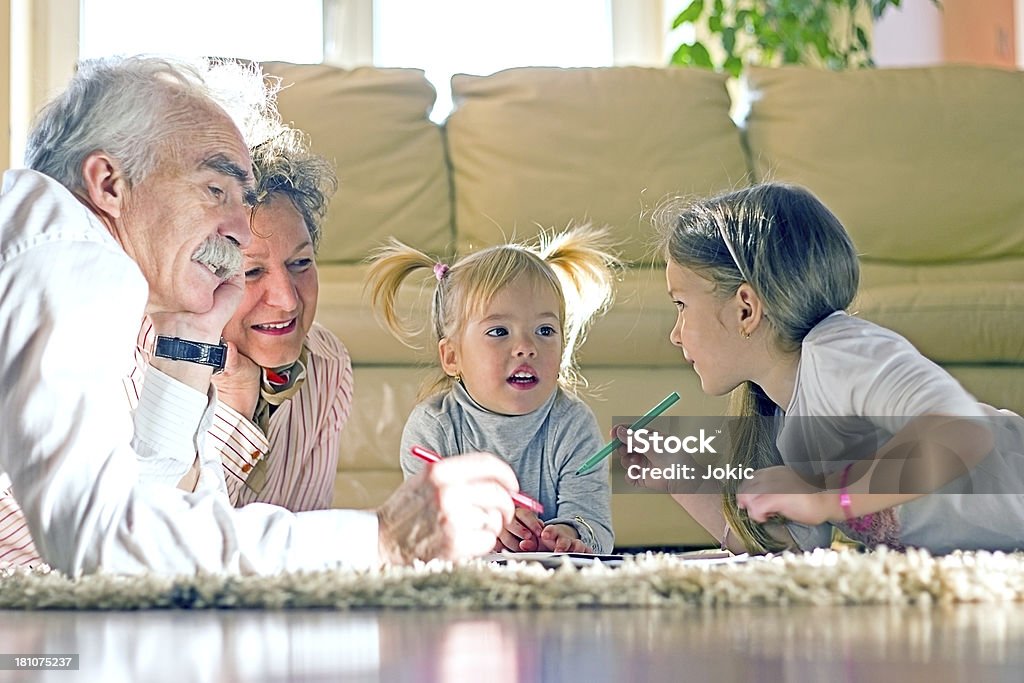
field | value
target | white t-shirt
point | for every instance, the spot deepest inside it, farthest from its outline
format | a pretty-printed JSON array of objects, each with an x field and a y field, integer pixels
[
  {"x": 857, "y": 385},
  {"x": 95, "y": 485}
]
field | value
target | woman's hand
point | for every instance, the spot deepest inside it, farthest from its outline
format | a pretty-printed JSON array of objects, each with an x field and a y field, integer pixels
[
  {"x": 239, "y": 385},
  {"x": 522, "y": 533},
  {"x": 562, "y": 538},
  {"x": 781, "y": 492}
]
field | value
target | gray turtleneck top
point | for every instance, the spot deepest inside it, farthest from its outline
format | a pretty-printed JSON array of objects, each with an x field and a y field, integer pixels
[{"x": 544, "y": 449}]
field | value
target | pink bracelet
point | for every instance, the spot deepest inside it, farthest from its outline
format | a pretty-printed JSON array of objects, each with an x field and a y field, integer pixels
[{"x": 858, "y": 524}]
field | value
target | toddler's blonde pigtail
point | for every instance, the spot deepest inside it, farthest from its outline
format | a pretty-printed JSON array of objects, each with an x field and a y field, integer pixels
[
  {"x": 390, "y": 266},
  {"x": 583, "y": 259}
]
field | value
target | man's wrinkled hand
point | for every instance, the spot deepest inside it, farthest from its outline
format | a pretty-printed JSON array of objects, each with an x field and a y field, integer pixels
[{"x": 451, "y": 510}]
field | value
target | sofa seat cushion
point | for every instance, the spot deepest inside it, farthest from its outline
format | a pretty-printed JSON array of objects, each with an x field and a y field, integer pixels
[
  {"x": 344, "y": 308},
  {"x": 548, "y": 146},
  {"x": 373, "y": 124},
  {"x": 965, "y": 322},
  {"x": 921, "y": 165}
]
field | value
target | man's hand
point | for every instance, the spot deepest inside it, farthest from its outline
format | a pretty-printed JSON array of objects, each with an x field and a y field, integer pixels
[
  {"x": 207, "y": 326},
  {"x": 200, "y": 327},
  {"x": 239, "y": 385},
  {"x": 451, "y": 510},
  {"x": 562, "y": 538},
  {"x": 522, "y": 533}
]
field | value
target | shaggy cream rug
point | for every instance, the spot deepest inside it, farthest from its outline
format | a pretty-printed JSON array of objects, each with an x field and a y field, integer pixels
[{"x": 819, "y": 578}]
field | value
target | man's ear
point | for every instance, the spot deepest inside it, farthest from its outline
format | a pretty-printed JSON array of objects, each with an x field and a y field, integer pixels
[
  {"x": 448, "y": 353},
  {"x": 105, "y": 184},
  {"x": 750, "y": 309}
]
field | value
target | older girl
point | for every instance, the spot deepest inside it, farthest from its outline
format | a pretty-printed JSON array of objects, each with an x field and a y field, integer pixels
[{"x": 844, "y": 422}]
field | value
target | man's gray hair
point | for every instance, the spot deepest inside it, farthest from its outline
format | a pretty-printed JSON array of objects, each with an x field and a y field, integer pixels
[{"x": 132, "y": 107}]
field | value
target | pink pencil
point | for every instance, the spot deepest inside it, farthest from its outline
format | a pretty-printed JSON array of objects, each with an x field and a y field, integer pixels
[{"x": 520, "y": 499}]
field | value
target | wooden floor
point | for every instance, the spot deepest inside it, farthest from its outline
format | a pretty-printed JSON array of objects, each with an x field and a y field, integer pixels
[{"x": 966, "y": 643}]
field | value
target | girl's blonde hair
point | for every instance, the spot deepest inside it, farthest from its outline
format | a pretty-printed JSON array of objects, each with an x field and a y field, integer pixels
[
  {"x": 797, "y": 256},
  {"x": 577, "y": 264}
]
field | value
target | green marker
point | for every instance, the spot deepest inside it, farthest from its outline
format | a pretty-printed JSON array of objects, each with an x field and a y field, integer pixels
[{"x": 639, "y": 424}]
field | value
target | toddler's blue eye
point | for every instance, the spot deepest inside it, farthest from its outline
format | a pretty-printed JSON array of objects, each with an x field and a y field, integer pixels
[
  {"x": 497, "y": 332},
  {"x": 547, "y": 331}
]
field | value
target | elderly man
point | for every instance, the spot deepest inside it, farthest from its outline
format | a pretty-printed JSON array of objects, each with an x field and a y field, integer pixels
[{"x": 137, "y": 203}]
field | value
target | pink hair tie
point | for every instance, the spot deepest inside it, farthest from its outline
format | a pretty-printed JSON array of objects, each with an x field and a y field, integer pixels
[{"x": 440, "y": 270}]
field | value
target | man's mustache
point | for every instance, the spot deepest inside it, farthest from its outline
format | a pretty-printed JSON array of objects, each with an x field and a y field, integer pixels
[{"x": 221, "y": 255}]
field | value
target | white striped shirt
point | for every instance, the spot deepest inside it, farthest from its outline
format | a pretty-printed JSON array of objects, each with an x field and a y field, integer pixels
[
  {"x": 300, "y": 452},
  {"x": 301, "y": 449}
]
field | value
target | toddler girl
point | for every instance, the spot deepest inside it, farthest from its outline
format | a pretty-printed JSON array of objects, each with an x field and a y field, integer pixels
[{"x": 507, "y": 321}]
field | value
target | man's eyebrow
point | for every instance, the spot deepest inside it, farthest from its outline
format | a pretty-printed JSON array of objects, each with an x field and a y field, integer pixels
[{"x": 225, "y": 166}]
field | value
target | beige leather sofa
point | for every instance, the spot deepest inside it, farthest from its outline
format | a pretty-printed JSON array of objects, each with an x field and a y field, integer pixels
[{"x": 925, "y": 167}]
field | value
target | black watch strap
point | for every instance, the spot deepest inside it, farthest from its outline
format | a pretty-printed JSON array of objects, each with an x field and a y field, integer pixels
[{"x": 176, "y": 348}]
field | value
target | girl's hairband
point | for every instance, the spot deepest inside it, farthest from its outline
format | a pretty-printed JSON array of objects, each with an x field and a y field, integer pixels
[
  {"x": 440, "y": 270},
  {"x": 732, "y": 253}
]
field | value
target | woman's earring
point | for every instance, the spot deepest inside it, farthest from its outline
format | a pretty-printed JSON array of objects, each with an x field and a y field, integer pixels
[
  {"x": 745, "y": 333},
  {"x": 457, "y": 377}
]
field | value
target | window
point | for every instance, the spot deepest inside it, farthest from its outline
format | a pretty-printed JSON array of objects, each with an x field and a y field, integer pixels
[
  {"x": 483, "y": 36},
  {"x": 249, "y": 29},
  {"x": 442, "y": 37}
]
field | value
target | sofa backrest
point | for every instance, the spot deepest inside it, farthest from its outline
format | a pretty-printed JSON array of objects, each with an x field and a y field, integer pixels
[
  {"x": 373, "y": 125},
  {"x": 922, "y": 165},
  {"x": 547, "y": 147}
]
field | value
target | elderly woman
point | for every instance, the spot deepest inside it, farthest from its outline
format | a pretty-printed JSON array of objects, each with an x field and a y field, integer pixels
[{"x": 287, "y": 389}]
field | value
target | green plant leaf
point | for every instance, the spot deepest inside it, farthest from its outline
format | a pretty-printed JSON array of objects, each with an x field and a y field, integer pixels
[
  {"x": 733, "y": 66},
  {"x": 692, "y": 55},
  {"x": 862, "y": 38},
  {"x": 701, "y": 56},
  {"x": 690, "y": 14},
  {"x": 820, "y": 42},
  {"x": 793, "y": 31},
  {"x": 729, "y": 39}
]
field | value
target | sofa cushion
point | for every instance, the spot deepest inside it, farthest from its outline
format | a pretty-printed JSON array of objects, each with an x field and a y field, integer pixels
[
  {"x": 547, "y": 146},
  {"x": 373, "y": 124},
  {"x": 965, "y": 322},
  {"x": 344, "y": 308},
  {"x": 920, "y": 164}
]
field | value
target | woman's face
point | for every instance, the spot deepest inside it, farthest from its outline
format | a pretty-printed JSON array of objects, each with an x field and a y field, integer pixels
[
  {"x": 706, "y": 329},
  {"x": 281, "y": 287}
]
